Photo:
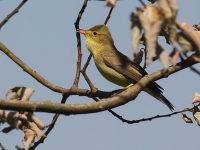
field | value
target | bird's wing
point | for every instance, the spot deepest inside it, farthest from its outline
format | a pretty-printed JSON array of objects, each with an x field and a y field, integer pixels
[
  {"x": 132, "y": 70},
  {"x": 123, "y": 65}
]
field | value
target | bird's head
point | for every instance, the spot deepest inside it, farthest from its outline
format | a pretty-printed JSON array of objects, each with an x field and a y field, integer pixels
[{"x": 97, "y": 37}]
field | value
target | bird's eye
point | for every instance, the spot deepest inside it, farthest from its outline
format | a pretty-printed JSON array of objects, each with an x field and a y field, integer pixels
[{"x": 94, "y": 33}]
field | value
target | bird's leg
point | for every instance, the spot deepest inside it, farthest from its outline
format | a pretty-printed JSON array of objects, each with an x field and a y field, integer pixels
[
  {"x": 115, "y": 92},
  {"x": 128, "y": 86}
]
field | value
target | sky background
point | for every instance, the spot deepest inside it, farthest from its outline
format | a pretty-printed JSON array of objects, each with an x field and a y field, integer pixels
[{"x": 43, "y": 36}]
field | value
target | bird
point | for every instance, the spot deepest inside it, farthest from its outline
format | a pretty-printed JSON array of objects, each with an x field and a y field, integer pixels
[{"x": 115, "y": 66}]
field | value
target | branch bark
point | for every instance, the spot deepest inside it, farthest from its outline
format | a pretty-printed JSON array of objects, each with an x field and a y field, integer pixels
[
  {"x": 109, "y": 103},
  {"x": 16, "y": 10},
  {"x": 75, "y": 85}
]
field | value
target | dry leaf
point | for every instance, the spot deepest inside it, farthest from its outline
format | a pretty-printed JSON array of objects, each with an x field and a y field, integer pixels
[
  {"x": 197, "y": 26},
  {"x": 14, "y": 95},
  {"x": 185, "y": 42},
  {"x": 2, "y": 114},
  {"x": 164, "y": 32},
  {"x": 38, "y": 132},
  {"x": 186, "y": 118},
  {"x": 33, "y": 118},
  {"x": 138, "y": 57},
  {"x": 196, "y": 115},
  {"x": 169, "y": 9},
  {"x": 174, "y": 56},
  {"x": 18, "y": 148},
  {"x": 29, "y": 137},
  {"x": 20, "y": 93},
  {"x": 193, "y": 35},
  {"x": 110, "y": 3},
  {"x": 196, "y": 98},
  {"x": 135, "y": 32},
  {"x": 151, "y": 20},
  {"x": 162, "y": 55},
  {"x": 7, "y": 129},
  {"x": 194, "y": 58},
  {"x": 12, "y": 118}
]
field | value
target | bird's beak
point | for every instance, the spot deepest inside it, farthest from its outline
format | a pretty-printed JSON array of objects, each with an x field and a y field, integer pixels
[{"x": 81, "y": 31}]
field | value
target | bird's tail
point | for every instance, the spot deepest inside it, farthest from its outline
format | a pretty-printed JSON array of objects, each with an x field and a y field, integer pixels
[{"x": 157, "y": 93}]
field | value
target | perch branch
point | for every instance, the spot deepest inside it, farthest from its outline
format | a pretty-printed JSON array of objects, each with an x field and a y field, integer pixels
[
  {"x": 16, "y": 10},
  {"x": 75, "y": 85},
  {"x": 112, "y": 102}
]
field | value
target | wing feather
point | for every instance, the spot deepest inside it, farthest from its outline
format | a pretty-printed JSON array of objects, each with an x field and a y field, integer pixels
[{"x": 127, "y": 67}]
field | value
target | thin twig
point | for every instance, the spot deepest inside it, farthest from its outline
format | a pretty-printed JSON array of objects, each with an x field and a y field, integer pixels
[
  {"x": 31, "y": 72},
  {"x": 108, "y": 17},
  {"x": 75, "y": 85},
  {"x": 1, "y": 146},
  {"x": 195, "y": 70},
  {"x": 191, "y": 67},
  {"x": 145, "y": 119},
  {"x": 87, "y": 62},
  {"x": 16, "y": 10},
  {"x": 145, "y": 57},
  {"x": 154, "y": 117},
  {"x": 143, "y": 4},
  {"x": 93, "y": 89},
  {"x": 83, "y": 71},
  {"x": 51, "y": 125}
]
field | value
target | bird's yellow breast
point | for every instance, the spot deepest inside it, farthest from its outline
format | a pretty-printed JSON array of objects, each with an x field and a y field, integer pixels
[{"x": 107, "y": 72}]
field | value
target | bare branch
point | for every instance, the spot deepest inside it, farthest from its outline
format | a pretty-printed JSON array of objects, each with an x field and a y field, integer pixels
[
  {"x": 154, "y": 117},
  {"x": 143, "y": 4},
  {"x": 112, "y": 102},
  {"x": 85, "y": 92},
  {"x": 55, "y": 88},
  {"x": 87, "y": 62},
  {"x": 108, "y": 17},
  {"x": 50, "y": 126},
  {"x": 1, "y": 146},
  {"x": 83, "y": 71},
  {"x": 16, "y": 10},
  {"x": 93, "y": 89},
  {"x": 191, "y": 67},
  {"x": 31, "y": 72},
  {"x": 75, "y": 85}
]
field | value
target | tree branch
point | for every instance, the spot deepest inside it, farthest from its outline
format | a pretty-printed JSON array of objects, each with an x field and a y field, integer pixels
[
  {"x": 108, "y": 17},
  {"x": 154, "y": 117},
  {"x": 75, "y": 85},
  {"x": 55, "y": 88},
  {"x": 112, "y": 102},
  {"x": 16, "y": 10},
  {"x": 51, "y": 126},
  {"x": 85, "y": 92},
  {"x": 1, "y": 146},
  {"x": 83, "y": 71},
  {"x": 31, "y": 72}
]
